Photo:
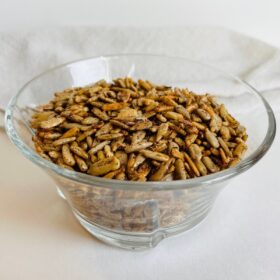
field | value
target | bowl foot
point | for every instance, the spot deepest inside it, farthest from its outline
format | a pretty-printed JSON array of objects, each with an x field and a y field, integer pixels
[{"x": 136, "y": 241}]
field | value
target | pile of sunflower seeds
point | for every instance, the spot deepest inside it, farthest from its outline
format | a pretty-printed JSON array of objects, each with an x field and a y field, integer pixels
[{"x": 138, "y": 131}]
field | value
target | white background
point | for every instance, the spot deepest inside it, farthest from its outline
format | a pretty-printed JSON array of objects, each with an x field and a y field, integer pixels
[{"x": 259, "y": 18}]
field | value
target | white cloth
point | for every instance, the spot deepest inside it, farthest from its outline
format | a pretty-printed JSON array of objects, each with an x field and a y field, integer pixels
[
  {"x": 26, "y": 54},
  {"x": 40, "y": 239}
]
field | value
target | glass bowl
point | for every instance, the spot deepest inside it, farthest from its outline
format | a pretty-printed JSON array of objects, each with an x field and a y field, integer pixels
[{"x": 138, "y": 215}]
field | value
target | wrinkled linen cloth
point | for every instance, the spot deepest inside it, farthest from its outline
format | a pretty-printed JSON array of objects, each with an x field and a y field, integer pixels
[{"x": 26, "y": 54}]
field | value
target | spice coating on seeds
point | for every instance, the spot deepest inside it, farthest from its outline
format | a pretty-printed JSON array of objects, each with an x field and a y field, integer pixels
[{"x": 138, "y": 131}]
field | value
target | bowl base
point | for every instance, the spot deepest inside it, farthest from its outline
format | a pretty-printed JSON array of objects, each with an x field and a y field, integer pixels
[{"x": 137, "y": 241}]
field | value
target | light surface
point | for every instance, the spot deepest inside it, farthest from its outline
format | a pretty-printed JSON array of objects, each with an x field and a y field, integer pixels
[
  {"x": 258, "y": 18},
  {"x": 41, "y": 239}
]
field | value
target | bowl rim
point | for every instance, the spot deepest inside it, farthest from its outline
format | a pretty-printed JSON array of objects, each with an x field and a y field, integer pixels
[{"x": 94, "y": 181}]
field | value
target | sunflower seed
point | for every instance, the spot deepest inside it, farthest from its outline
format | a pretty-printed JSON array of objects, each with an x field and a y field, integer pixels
[
  {"x": 195, "y": 152},
  {"x": 98, "y": 147},
  {"x": 201, "y": 167},
  {"x": 225, "y": 133},
  {"x": 212, "y": 139},
  {"x": 104, "y": 166},
  {"x": 78, "y": 151},
  {"x": 72, "y": 132},
  {"x": 110, "y": 136},
  {"x": 160, "y": 173},
  {"x": 53, "y": 122},
  {"x": 100, "y": 114},
  {"x": 240, "y": 150},
  {"x": 90, "y": 120},
  {"x": 211, "y": 166},
  {"x": 142, "y": 125},
  {"x": 162, "y": 131},
  {"x": 154, "y": 155},
  {"x": 180, "y": 170},
  {"x": 203, "y": 114},
  {"x": 67, "y": 155},
  {"x": 138, "y": 147},
  {"x": 81, "y": 163},
  {"x": 63, "y": 141},
  {"x": 173, "y": 116}
]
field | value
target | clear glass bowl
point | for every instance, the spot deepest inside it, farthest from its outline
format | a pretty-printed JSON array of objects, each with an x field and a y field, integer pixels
[{"x": 137, "y": 215}]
